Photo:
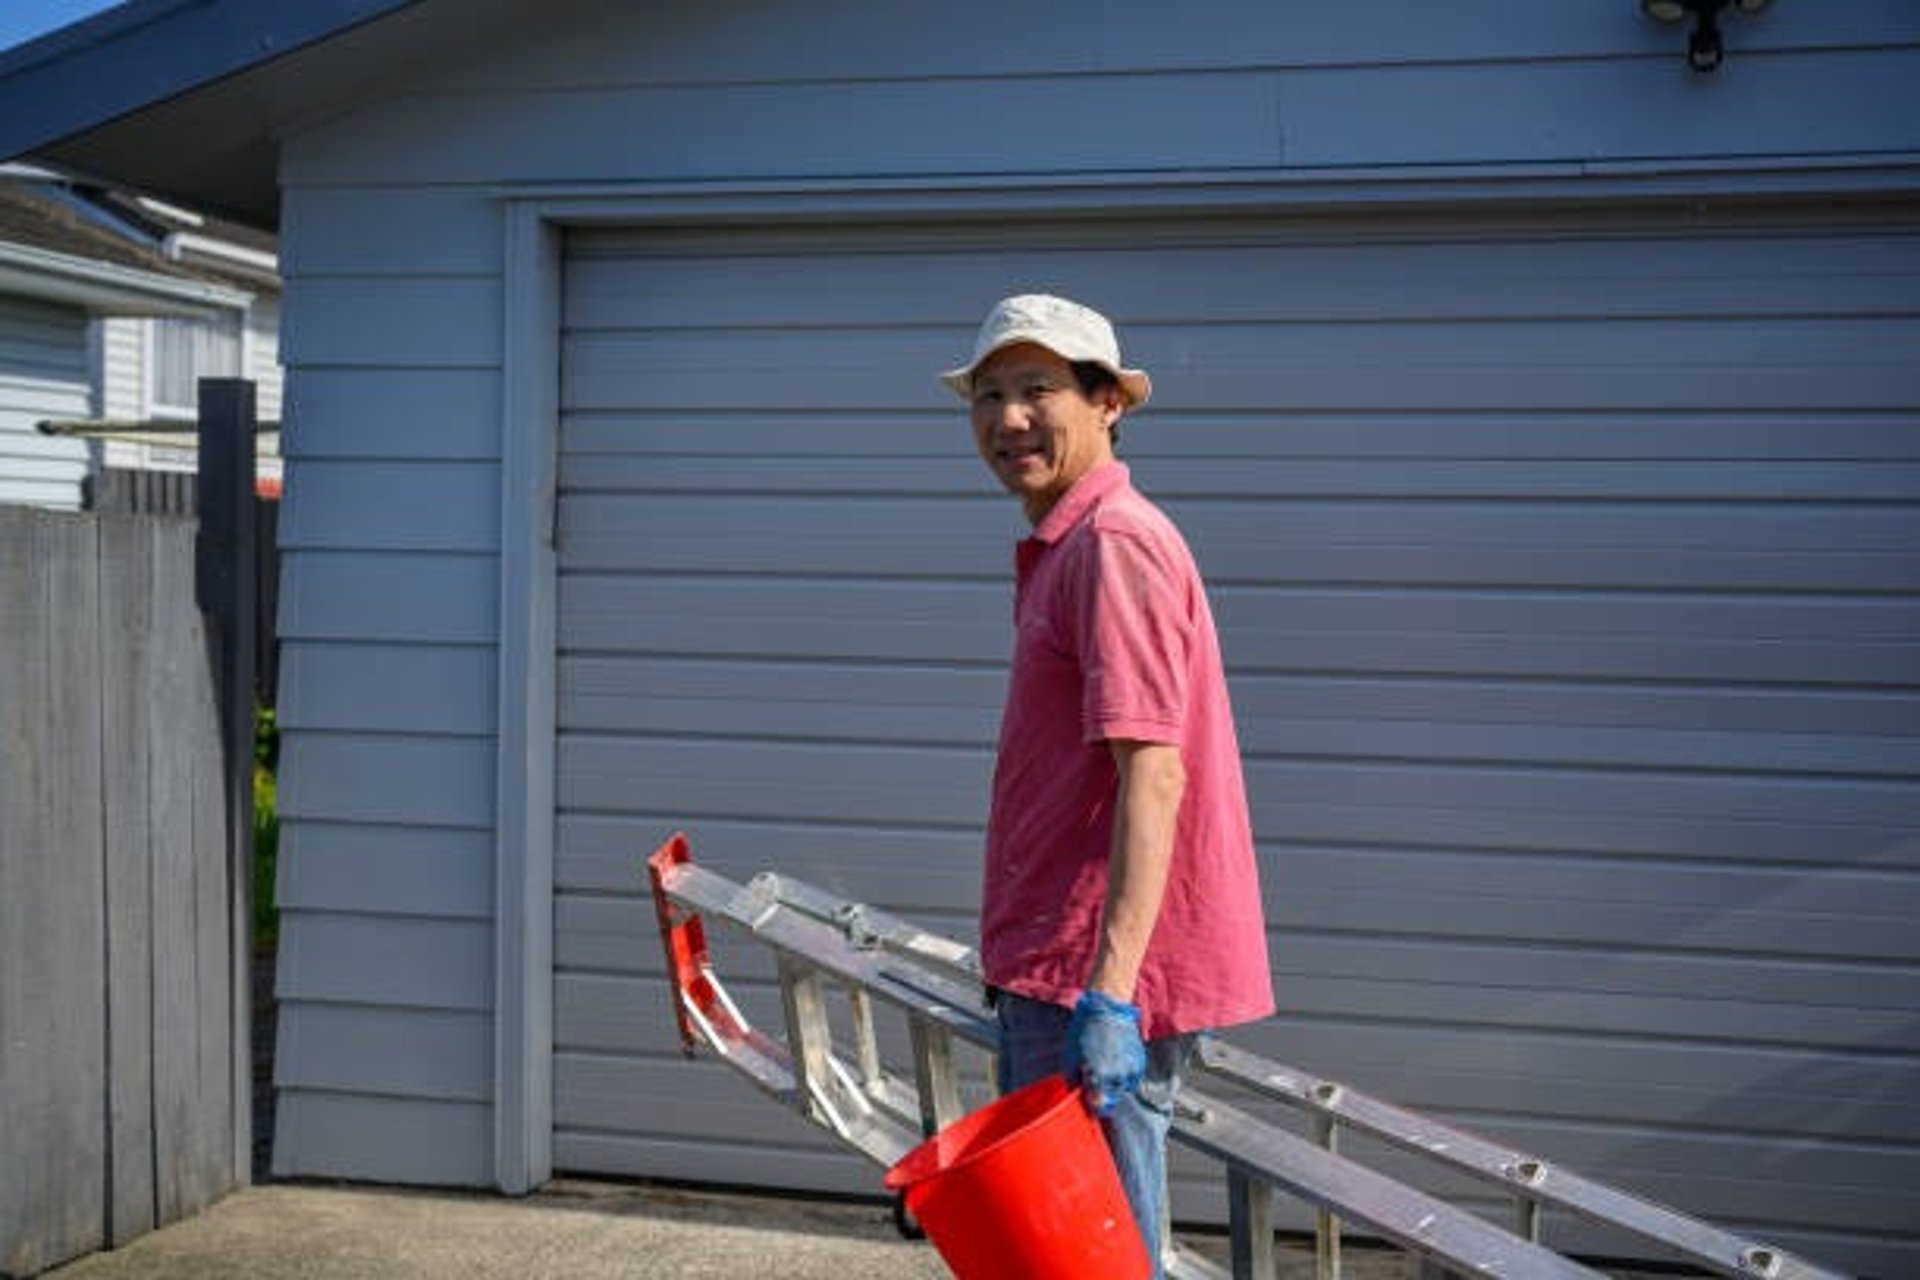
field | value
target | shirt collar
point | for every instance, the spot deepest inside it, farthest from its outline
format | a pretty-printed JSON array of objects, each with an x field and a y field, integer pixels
[{"x": 1073, "y": 506}]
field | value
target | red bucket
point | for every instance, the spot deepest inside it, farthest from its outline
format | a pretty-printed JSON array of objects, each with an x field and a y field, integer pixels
[{"x": 1024, "y": 1189}]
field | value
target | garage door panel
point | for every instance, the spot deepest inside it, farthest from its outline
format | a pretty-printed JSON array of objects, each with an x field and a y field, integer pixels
[
  {"x": 1307, "y": 270},
  {"x": 615, "y": 935},
  {"x": 612, "y": 1094},
  {"x": 1532, "y": 635},
  {"x": 1187, "y": 457},
  {"x": 930, "y": 443},
  {"x": 1294, "y": 816},
  {"x": 644, "y": 468},
  {"x": 1627, "y": 1014},
  {"x": 682, "y": 371},
  {"x": 1852, "y": 1187},
  {"x": 1538, "y": 364},
  {"x": 1519, "y": 634},
  {"x": 769, "y": 617},
  {"x": 1569, "y": 899},
  {"x": 1673, "y": 988},
  {"x": 1651, "y": 545},
  {"x": 833, "y": 533},
  {"x": 605, "y": 934},
  {"x": 1656, "y": 712},
  {"x": 1643, "y": 545},
  {"x": 1163, "y": 458},
  {"x": 816, "y": 1170},
  {"x": 1757, "y": 730},
  {"x": 1623, "y": 794},
  {"x": 822, "y": 782},
  {"x": 1759, "y": 820},
  {"x": 946, "y": 705},
  {"x": 1661, "y": 1080},
  {"x": 651, "y": 1031},
  {"x": 919, "y": 869},
  {"x": 600, "y": 1013},
  {"x": 1798, "y": 754},
  {"x": 613, "y": 1013},
  {"x": 1658, "y": 443}
]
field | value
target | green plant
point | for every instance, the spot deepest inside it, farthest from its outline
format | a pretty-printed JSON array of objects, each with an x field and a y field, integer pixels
[{"x": 266, "y": 827}]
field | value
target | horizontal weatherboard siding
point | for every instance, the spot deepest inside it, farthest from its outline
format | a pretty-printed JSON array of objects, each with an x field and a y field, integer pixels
[
  {"x": 43, "y": 374},
  {"x": 377, "y": 869},
  {"x": 382, "y": 1137},
  {"x": 368, "y": 414},
  {"x": 436, "y": 505},
  {"x": 1529, "y": 113}
]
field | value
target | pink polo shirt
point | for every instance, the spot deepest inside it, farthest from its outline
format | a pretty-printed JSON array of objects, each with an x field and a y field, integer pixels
[{"x": 1113, "y": 639}]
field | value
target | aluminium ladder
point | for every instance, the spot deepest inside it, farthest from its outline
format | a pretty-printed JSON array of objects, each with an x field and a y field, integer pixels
[{"x": 835, "y": 1076}]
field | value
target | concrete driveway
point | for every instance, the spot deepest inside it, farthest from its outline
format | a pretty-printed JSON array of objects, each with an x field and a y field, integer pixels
[
  {"x": 574, "y": 1230},
  {"x": 577, "y": 1230}
]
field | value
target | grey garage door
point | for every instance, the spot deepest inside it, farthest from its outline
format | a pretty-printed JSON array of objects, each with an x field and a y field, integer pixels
[{"x": 1566, "y": 565}]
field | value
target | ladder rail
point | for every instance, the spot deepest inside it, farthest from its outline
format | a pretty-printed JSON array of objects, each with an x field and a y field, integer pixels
[
  {"x": 935, "y": 982},
  {"x": 1429, "y": 1227},
  {"x": 1532, "y": 1181},
  {"x": 1418, "y": 1223}
]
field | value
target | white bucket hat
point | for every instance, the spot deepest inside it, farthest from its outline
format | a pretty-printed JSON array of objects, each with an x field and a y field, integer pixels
[{"x": 1066, "y": 328}]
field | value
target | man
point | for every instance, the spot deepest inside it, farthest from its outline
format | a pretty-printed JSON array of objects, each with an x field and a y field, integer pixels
[{"x": 1121, "y": 913}]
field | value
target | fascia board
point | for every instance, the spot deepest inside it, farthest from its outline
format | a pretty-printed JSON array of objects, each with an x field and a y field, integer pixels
[{"x": 151, "y": 51}]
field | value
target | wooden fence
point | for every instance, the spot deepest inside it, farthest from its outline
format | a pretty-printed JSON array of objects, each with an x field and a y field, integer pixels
[{"x": 124, "y": 1066}]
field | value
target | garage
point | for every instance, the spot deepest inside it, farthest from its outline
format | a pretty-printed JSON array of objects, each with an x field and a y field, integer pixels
[
  {"x": 1539, "y": 402},
  {"x": 1564, "y": 562}
]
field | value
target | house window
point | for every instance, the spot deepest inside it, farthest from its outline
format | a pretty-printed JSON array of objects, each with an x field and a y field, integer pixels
[{"x": 187, "y": 349}]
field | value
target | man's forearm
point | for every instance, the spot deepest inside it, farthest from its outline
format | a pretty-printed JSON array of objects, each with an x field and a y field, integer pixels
[{"x": 1152, "y": 781}]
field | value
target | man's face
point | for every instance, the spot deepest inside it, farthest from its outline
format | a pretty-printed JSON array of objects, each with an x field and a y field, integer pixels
[{"x": 1035, "y": 429}]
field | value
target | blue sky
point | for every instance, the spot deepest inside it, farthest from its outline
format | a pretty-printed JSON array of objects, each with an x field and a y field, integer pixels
[{"x": 22, "y": 20}]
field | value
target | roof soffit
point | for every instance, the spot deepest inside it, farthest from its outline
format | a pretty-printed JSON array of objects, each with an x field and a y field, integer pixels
[{"x": 203, "y": 126}]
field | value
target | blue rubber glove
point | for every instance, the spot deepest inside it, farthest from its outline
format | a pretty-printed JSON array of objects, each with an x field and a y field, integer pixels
[{"x": 1105, "y": 1053}]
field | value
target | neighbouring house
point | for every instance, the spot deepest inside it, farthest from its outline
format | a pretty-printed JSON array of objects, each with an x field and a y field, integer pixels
[
  {"x": 112, "y": 306},
  {"x": 1545, "y": 412}
]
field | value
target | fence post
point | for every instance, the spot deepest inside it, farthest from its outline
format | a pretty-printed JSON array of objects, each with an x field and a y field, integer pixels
[{"x": 226, "y": 585}]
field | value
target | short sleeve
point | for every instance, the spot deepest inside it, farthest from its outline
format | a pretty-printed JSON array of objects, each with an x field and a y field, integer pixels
[{"x": 1136, "y": 632}]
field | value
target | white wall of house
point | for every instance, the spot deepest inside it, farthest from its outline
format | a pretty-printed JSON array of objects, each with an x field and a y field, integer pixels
[
  {"x": 263, "y": 355},
  {"x": 126, "y": 347},
  {"x": 1365, "y": 165},
  {"x": 60, "y": 361},
  {"x": 44, "y": 373},
  {"x": 123, "y": 362}
]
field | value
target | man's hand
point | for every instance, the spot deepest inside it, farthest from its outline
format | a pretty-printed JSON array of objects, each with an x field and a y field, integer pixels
[{"x": 1104, "y": 1050}]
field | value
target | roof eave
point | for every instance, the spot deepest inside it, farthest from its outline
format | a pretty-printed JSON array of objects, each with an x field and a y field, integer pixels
[
  {"x": 149, "y": 51},
  {"x": 105, "y": 288},
  {"x": 56, "y": 90}
]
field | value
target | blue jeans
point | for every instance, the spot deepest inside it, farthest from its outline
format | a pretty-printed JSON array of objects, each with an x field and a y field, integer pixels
[{"x": 1033, "y": 1042}]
